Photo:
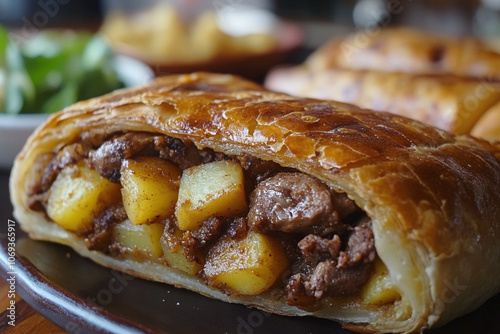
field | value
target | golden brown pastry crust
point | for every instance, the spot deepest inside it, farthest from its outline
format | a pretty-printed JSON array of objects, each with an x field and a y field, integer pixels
[
  {"x": 488, "y": 126},
  {"x": 410, "y": 51},
  {"x": 448, "y": 102},
  {"x": 433, "y": 197}
]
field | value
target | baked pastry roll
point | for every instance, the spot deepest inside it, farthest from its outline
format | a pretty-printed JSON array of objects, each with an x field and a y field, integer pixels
[
  {"x": 448, "y": 102},
  {"x": 295, "y": 206},
  {"x": 488, "y": 126},
  {"x": 411, "y": 51}
]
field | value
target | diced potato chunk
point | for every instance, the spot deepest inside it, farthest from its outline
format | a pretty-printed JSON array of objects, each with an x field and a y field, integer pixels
[
  {"x": 77, "y": 195},
  {"x": 246, "y": 266},
  {"x": 379, "y": 288},
  {"x": 216, "y": 188},
  {"x": 143, "y": 238},
  {"x": 173, "y": 251},
  {"x": 150, "y": 188}
]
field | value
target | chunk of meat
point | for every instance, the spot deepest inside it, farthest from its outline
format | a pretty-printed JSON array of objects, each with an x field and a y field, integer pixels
[
  {"x": 100, "y": 237},
  {"x": 238, "y": 228},
  {"x": 257, "y": 170},
  {"x": 68, "y": 155},
  {"x": 209, "y": 231},
  {"x": 360, "y": 246},
  {"x": 107, "y": 159},
  {"x": 329, "y": 271},
  {"x": 297, "y": 294},
  {"x": 193, "y": 240},
  {"x": 315, "y": 249},
  {"x": 208, "y": 155},
  {"x": 344, "y": 205},
  {"x": 46, "y": 168},
  {"x": 37, "y": 189},
  {"x": 183, "y": 154},
  {"x": 328, "y": 279},
  {"x": 291, "y": 202}
]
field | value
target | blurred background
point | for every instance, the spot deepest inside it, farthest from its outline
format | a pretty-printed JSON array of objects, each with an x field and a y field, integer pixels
[
  {"x": 245, "y": 37},
  {"x": 479, "y": 17}
]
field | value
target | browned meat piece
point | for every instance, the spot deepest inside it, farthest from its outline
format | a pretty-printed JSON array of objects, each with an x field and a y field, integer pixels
[
  {"x": 360, "y": 246},
  {"x": 316, "y": 249},
  {"x": 183, "y": 154},
  {"x": 38, "y": 188},
  {"x": 297, "y": 294},
  {"x": 257, "y": 170},
  {"x": 100, "y": 237},
  {"x": 208, "y": 155},
  {"x": 328, "y": 279},
  {"x": 209, "y": 229},
  {"x": 193, "y": 240},
  {"x": 291, "y": 202},
  {"x": 344, "y": 205},
  {"x": 69, "y": 155},
  {"x": 107, "y": 159},
  {"x": 46, "y": 168},
  {"x": 238, "y": 228},
  {"x": 327, "y": 271}
]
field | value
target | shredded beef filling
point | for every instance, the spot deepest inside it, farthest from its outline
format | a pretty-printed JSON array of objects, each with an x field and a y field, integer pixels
[{"x": 327, "y": 237}]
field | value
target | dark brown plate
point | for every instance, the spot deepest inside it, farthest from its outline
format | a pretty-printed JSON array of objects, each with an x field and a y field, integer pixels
[{"x": 83, "y": 297}]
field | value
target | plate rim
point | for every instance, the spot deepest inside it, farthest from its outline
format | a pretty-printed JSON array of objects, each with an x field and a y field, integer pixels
[{"x": 47, "y": 299}]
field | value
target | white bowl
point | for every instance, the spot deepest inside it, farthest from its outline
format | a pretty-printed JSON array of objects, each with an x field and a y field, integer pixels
[{"x": 14, "y": 131}]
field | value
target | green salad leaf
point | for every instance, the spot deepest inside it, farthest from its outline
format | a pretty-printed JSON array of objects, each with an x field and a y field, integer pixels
[
  {"x": 20, "y": 92},
  {"x": 4, "y": 40},
  {"x": 53, "y": 70}
]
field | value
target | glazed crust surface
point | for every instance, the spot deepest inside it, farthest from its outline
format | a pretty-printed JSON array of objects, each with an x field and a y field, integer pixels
[
  {"x": 448, "y": 102},
  {"x": 432, "y": 196},
  {"x": 444, "y": 81},
  {"x": 488, "y": 125},
  {"x": 411, "y": 51}
]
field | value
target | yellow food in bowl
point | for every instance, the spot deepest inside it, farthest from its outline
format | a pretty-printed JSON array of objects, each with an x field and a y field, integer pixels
[{"x": 159, "y": 34}]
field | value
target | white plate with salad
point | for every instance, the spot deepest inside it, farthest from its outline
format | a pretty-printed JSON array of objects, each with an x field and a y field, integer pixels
[{"x": 52, "y": 70}]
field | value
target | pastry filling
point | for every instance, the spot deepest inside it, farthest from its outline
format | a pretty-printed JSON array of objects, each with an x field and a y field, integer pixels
[{"x": 243, "y": 225}]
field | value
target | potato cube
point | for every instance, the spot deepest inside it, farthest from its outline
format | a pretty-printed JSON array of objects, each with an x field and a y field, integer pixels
[
  {"x": 150, "y": 188},
  {"x": 247, "y": 266},
  {"x": 142, "y": 238},
  {"x": 77, "y": 195},
  {"x": 173, "y": 252},
  {"x": 213, "y": 189},
  {"x": 379, "y": 288}
]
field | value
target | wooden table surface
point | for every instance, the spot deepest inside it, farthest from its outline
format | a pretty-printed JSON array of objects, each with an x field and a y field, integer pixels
[{"x": 27, "y": 319}]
